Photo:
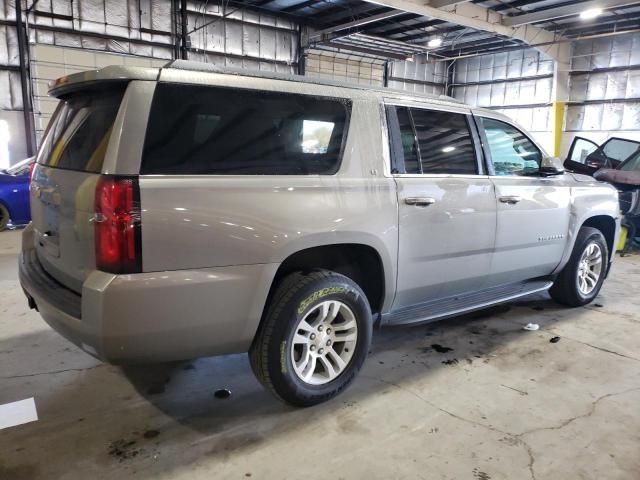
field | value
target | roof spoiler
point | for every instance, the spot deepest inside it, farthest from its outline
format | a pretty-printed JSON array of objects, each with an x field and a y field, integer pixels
[{"x": 107, "y": 74}]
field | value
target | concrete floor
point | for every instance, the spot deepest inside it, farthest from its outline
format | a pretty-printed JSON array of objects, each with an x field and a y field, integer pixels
[{"x": 504, "y": 403}]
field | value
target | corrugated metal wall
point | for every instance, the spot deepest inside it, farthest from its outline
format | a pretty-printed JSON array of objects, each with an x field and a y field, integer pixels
[
  {"x": 219, "y": 34},
  {"x": 605, "y": 88},
  {"x": 12, "y": 136},
  {"x": 419, "y": 76},
  {"x": 517, "y": 83},
  {"x": 343, "y": 67},
  {"x": 143, "y": 30},
  {"x": 50, "y": 62},
  {"x": 122, "y": 26},
  {"x": 9, "y": 61},
  {"x": 605, "y": 83},
  {"x": 240, "y": 38}
]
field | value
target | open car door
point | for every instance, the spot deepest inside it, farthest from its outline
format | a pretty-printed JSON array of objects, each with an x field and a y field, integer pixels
[{"x": 585, "y": 156}]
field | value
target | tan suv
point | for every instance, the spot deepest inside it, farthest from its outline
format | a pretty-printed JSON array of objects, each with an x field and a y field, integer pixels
[{"x": 185, "y": 211}]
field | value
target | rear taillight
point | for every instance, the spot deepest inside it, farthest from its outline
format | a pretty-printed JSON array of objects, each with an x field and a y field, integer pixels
[{"x": 117, "y": 225}]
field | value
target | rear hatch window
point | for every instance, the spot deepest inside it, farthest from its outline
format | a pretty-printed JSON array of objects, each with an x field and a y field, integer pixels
[{"x": 79, "y": 132}]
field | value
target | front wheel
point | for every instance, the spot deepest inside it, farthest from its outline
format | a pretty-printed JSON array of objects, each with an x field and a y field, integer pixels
[
  {"x": 314, "y": 338},
  {"x": 581, "y": 278}
]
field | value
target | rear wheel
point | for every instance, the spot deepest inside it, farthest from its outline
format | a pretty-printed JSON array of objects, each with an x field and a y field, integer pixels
[
  {"x": 582, "y": 277},
  {"x": 4, "y": 217},
  {"x": 314, "y": 338}
]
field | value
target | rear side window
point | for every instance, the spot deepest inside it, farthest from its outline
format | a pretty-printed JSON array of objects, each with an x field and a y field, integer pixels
[
  {"x": 222, "y": 131},
  {"x": 431, "y": 142},
  {"x": 80, "y": 129}
]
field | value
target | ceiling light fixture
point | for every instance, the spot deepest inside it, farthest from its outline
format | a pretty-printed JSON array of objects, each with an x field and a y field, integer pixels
[
  {"x": 591, "y": 13},
  {"x": 448, "y": 149},
  {"x": 435, "y": 42}
]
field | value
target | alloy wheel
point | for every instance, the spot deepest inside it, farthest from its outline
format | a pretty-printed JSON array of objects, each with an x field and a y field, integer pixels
[
  {"x": 324, "y": 342},
  {"x": 589, "y": 268}
]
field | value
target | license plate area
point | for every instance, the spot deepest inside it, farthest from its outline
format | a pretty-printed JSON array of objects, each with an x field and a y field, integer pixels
[{"x": 47, "y": 232}]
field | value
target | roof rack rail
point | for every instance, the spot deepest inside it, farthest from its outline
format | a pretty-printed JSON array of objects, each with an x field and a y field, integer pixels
[{"x": 193, "y": 66}]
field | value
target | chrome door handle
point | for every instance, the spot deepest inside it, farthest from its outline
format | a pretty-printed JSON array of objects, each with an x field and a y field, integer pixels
[
  {"x": 510, "y": 199},
  {"x": 420, "y": 201}
]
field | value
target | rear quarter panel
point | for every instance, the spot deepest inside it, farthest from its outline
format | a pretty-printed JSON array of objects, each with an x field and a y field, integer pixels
[{"x": 198, "y": 221}]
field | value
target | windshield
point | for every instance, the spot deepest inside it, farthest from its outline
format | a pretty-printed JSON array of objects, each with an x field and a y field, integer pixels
[{"x": 79, "y": 132}]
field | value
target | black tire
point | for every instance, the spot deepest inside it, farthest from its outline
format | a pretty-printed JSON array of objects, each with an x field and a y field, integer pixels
[
  {"x": 4, "y": 217},
  {"x": 295, "y": 296},
  {"x": 565, "y": 289}
]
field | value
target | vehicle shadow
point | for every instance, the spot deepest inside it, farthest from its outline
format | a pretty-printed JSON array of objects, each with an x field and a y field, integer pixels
[{"x": 163, "y": 417}]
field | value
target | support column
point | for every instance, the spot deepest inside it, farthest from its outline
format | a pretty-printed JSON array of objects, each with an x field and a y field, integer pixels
[
  {"x": 560, "y": 94},
  {"x": 25, "y": 81},
  {"x": 184, "y": 37}
]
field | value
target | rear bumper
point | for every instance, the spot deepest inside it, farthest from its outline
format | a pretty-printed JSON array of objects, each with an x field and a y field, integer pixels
[{"x": 153, "y": 317}]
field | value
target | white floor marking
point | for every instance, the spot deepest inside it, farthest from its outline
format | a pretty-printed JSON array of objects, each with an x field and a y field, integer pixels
[{"x": 17, "y": 413}]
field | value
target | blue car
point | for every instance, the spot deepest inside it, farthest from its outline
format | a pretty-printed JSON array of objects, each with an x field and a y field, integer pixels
[{"x": 14, "y": 194}]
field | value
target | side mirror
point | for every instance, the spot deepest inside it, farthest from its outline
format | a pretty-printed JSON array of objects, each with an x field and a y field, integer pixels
[{"x": 551, "y": 166}]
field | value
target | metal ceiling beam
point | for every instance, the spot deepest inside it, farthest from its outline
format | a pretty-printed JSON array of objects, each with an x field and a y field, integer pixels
[
  {"x": 339, "y": 13},
  {"x": 299, "y": 6},
  {"x": 611, "y": 21},
  {"x": 564, "y": 41},
  {"x": 617, "y": 27},
  {"x": 480, "y": 18},
  {"x": 445, "y": 3},
  {"x": 474, "y": 45},
  {"x": 426, "y": 35},
  {"x": 510, "y": 5},
  {"x": 565, "y": 11},
  {"x": 382, "y": 26},
  {"x": 406, "y": 27},
  {"x": 486, "y": 48},
  {"x": 375, "y": 52},
  {"x": 356, "y": 23}
]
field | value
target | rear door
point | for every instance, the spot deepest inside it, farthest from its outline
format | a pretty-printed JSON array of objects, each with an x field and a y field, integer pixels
[
  {"x": 447, "y": 212},
  {"x": 584, "y": 157},
  {"x": 62, "y": 191}
]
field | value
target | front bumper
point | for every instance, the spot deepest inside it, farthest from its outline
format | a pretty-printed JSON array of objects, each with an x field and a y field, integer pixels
[{"x": 153, "y": 317}]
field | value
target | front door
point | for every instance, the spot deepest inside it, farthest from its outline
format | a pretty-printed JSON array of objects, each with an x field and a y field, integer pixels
[
  {"x": 584, "y": 157},
  {"x": 447, "y": 212},
  {"x": 532, "y": 210}
]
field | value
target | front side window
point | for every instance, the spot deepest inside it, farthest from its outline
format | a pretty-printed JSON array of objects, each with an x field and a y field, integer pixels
[
  {"x": 433, "y": 142},
  {"x": 223, "y": 131},
  {"x": 512, "y": 153}
]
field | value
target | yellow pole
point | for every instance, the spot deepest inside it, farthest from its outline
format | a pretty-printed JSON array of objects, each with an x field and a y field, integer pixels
[{"x": 557, "y": 112}]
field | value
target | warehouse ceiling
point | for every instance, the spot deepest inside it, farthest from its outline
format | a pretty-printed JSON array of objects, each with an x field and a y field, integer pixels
[{"x": 364, "y": 25}]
